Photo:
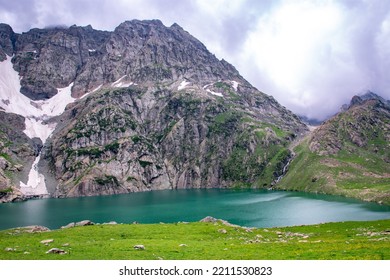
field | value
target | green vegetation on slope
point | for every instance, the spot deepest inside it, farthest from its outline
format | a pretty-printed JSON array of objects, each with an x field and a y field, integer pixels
[
  {"x": 163, "y": 138},
  {"x": 355, "y": 175},
  {"x": 348, "y": 155},
  {"x": 190, "y": 241}
]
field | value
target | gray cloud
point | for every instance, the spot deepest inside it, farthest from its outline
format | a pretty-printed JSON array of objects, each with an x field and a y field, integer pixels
[{"x": 312, "y": 69}]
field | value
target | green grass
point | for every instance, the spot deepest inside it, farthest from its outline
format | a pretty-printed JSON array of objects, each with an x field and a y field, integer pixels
[
  {"x": 192, "y": 241},
  {"x": 359, "y": 174},
  {"x": 6, "y": 156},
  {"x": 6, "y": 190}
]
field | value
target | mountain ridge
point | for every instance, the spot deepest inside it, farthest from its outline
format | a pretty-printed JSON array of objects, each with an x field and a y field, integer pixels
[
  {"x": 136, "y": 49},
  {"x": 147, "y": 107}
]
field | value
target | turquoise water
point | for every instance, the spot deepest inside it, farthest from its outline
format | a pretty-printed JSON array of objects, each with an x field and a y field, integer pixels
[{"x": 254, "y": 208}]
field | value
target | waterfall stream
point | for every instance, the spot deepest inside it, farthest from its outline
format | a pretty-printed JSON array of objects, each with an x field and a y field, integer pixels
[{"x": 284, "y": 170}]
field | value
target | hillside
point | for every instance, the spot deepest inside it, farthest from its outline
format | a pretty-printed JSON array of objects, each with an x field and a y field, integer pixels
[
  {"x": 349, "y": 154},
  {"x": 140, "y": 108}
]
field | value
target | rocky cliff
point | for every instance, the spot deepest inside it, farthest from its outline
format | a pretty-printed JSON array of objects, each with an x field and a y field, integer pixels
[
  {"x": 17, "y": 151},
  {"x": 150, "y": 108},
  {"x": 349, "y": 154},
  {"x": 137, "y": 51}
]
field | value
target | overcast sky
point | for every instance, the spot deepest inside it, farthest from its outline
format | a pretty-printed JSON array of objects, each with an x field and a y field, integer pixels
[{"x": 312, "y": 56}]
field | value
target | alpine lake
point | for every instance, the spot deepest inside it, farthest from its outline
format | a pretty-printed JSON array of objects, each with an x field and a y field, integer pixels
[{"x": 251, "y": 208}]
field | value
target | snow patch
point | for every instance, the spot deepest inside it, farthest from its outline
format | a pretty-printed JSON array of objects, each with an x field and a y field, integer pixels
[
  {"x": 91, "y": 50},
  {"x": 94, "y": 90},
  {"x": 56, "y": 105},
  {"x": 36, "y": 181},
  {"x": 215, "y": 93},
  {"x": 206, "y": 86},
  {"x": 90, "y": 92},
  {"x": 35, "y": 127},
  {"x": 120, "y": 84},
  {"x": 36, "y": 114},
  {"x": 235, "y": 85},
  {"x": 183, "y": 85}
]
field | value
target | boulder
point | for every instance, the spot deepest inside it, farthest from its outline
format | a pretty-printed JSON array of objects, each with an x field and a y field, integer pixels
[
  {"x": 56, "y": 251},
  {"x": 79, "y": 224},
  {"x": 110, "y": 223},
  {"x": 84, "y": 223},
  {"x": 139, "y": 247},
  {"x": 9, "y": 249},
  {"x": 47, "y": 241},
  {"x": 209, "y": 219},
  {"x": 32, "y": 229},
  {"x": 70, "y": 225}
]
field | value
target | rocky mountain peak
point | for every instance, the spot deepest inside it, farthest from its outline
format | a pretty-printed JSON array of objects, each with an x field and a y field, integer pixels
[
  {"x": 7, "y": 40},
  {"x": 176, "y": 26},
  {"x": 362, "y": 122},
  {"x": 360, "y": 99},
  {"x": 356, "y": 100},
  {"x": 137, "y": 51}
]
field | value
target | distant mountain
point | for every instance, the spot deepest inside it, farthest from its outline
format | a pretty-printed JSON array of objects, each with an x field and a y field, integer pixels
[
  {"x": 144, "y": 107},
  {"x": 349, "y": 154},
  {"x": 359, "y": 99},
  {"x": 310, "y": 121}
]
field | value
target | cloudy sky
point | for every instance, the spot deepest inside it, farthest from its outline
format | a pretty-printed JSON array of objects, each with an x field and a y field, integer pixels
[{"x": 312, "y": 56}]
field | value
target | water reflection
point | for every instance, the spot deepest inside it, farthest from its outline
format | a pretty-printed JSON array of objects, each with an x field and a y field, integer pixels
[{"x": 245, "y": 207}]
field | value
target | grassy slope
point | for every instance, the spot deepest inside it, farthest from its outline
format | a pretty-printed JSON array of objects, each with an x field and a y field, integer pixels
[
  {"x": 362, "y": 174},
  {"x": 347, "y": 155},
  {"x": 348, "y": 240}
]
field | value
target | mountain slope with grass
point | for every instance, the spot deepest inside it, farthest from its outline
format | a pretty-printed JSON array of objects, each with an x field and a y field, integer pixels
[{"x": 348, "y": 155}]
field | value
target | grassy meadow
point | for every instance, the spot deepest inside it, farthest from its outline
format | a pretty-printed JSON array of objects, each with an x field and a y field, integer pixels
[
  {"x": 362, "y": 174},
  {"x": 369, "y": 240}
]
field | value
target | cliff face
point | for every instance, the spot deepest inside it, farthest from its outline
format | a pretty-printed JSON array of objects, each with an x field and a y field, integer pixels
[
  {"x": 136, "y": 139},
  {"x": 138, "y": 51},
  {"x": 153, "y": 109},
  {"x": 17, "y": 152}
]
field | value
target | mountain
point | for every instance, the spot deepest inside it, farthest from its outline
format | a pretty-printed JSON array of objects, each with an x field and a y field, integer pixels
[
  {"x": 310, "y": 121},
  {"x": 141, "y": 108},
  {"x": 358, "y": 99},
  {"x": 348, "y": 155}
]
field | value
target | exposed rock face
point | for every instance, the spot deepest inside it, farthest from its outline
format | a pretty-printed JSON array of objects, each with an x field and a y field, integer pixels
[
  {"x": 7, "y": 39},
  {"x": 135, "y": 139},
  {"x": 142, "y": 51},
  {"x": 17, "y": 153},
  {"x": 364, "y": 124},
  {"x": 359, "y": 99},
  {"x": 165, "y": 113}
]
